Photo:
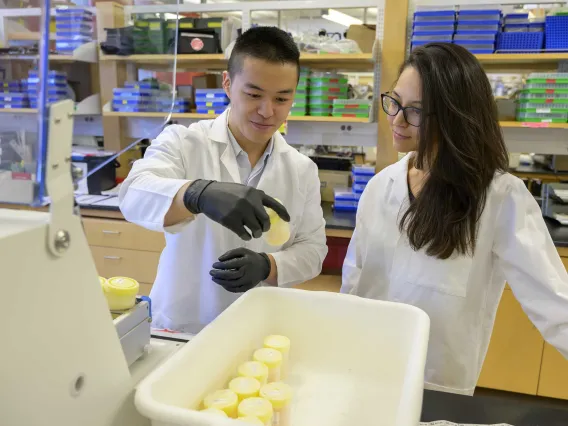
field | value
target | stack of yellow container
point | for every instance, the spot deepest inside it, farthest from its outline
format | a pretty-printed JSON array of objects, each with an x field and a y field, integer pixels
[{"x": 258, "y": 395}]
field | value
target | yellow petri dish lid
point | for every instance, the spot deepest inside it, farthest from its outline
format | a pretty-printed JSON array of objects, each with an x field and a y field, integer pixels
[
  {"x": 256, "y": 407},
  {"x": 275, "y": 341},
  {"x": 273, "y": 216},
  {"x": 271, "y": 357},
  {"x": 245, "y": 387},
  {"x": 255, "y": 369},
  {"x": 215, "y": 411},
  {"x": 277, "y": 393},
  {"x": 222, "y": 400},
  {"x": 252, "y": 420},
  {"x": 122, "y": 285}
]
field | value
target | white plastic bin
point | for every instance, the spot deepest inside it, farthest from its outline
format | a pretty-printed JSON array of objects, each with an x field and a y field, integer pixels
[{"x": 353, "y": 361}]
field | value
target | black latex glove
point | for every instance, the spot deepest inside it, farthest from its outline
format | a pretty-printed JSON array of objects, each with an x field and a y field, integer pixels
[
  {"x": 234, "y": 206},
  {"x": 240, "y": 269}
]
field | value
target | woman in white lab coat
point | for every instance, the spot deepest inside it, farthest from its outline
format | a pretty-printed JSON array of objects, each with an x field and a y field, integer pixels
[{"x": 446, "y": 226}]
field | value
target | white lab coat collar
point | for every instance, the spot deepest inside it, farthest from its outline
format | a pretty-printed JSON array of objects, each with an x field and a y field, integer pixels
[{"x": 398, "y": 174}]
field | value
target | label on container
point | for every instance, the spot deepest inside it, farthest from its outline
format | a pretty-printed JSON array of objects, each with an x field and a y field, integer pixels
[
  {"x": 535, "y": 125},
  {"x": 197, "y": 44},
  {"x": 214, "y": 24},
  {"x": 550, "y": 81},
  {"x": 155, "y": 26},
  {"x": 543, "y": 110},
  {"x": 186, "y": 25}
]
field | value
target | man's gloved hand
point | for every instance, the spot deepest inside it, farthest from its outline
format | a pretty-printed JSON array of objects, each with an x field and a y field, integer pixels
[
  {"x": 240, "y": 269},
  {"x": 234, "y": 206}
]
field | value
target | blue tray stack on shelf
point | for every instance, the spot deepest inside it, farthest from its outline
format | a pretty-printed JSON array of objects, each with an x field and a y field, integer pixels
[
  {"x": 138, "y": 96},
  {"x": 11, "y": 95},
  {"x": 520, "y": 35},
  {"x": 544, "y": 99},
  {"x": 73, "y": 28},
  {"x": 301, "y": 99},
  {"x": 433, "y": 26},
  {"x": 556, "y": 30},
  {"x": 346, "y": 199},
  {"x": 211, "y": 101},
  {"x": 477, "y": 29},
  {"x": 56, "y": 86},
  {"x": 164, "y": 103}
]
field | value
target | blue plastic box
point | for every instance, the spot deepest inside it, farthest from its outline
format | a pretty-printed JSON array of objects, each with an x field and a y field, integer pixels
[
  {"x": 200, "y": 103},
  {"x": 211, "y": 111},
  {"x": 556, "y": 30},
  {"x": 358, "y": 188},
  {"x": 520, "y": 42},
  {"x": 434, "y": 15},
  {"x": 420, "y": 27},
  {"x": 479, "y": 15},
  {"x": 141, "y": 85},
  {"x": 126, "y": 92},
  {"x": 210, "y": 93}
]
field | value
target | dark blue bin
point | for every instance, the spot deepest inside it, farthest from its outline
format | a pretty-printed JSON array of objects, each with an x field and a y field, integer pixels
[
  {"x": 520, "y": 42},
  {"x": 556, "y": 30}
]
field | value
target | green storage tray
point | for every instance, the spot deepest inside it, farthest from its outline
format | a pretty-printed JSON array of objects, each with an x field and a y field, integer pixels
[
  {"x": 320, "y": 114},
  {"x": 314, "y": 81},
  {"x": 341, "y": 114},
  {"x": 543, "y": 109},
  {"x": 298, "y": 113}
]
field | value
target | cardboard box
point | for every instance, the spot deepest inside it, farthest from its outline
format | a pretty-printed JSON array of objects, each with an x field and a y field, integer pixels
[
  {"x": 330, "y": 179},
  {"x": 364, "y": 35}
]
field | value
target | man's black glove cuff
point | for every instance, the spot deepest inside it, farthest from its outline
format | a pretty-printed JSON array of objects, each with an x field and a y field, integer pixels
[
  {"x": 192, "y": 194},
  {"x": 268, "y": 266}
]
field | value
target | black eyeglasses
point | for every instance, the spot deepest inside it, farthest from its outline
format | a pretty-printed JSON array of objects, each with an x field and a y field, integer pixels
[{"x": 392, "y": 107}]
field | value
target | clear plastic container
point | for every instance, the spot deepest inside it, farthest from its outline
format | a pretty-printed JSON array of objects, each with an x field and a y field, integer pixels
[
  {"x": 245, "y": 387},
  {"x": 256, "y": 370},
  {"x": 542, "y": 118},
  {"x": 334, "y": 93},
  {"x": 272, "y": 359},
  {"x": 315, "y": 85},
  {"x": 257, "y": 407},
  {"x": 543, "y": 108},
  {"x": 280, "y": 397},
  {"x": 225, "y": 400},
  {"x": 120, "y": 292},
  {"x": 282, "y": 345}
]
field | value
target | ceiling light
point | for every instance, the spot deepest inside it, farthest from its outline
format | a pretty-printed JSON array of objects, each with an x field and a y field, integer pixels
[{"x": 341, "y": 18}]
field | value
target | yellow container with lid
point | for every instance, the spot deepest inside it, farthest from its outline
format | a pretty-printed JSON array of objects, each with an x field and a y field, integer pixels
[
  {"x": 225, "y": 400},
  {"x": 251, "y": 420},
  {"x": 120, "y": 292},
  {"x": 272, "y": 359},
  {"x": 282, "y": 345},
  {"x": 245, "y": 387},
  {"x": 257, "y": 407},
  {"x": 280, "y": 396},
  {"x": 256, "y": 370},
  {"x": 214, "y": 411},
  {"x": 279, "y": 232}
]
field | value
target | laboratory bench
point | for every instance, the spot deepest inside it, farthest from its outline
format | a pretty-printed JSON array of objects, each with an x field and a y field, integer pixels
[{"x": 518, "y": 359}]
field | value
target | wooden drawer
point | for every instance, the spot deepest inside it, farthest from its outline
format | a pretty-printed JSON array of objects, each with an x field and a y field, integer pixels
[
  {"x": 112, "y": 262},
  {"x": 145, "y": 289},
  {"x": 515, "y": 351},
  {"x": 553, "y": 374},
  {"x": 121, "y": 234}
]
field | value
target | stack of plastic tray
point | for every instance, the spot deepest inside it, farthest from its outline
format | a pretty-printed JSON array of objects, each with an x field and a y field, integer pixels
[
  {"x": 164, "y": 104},
  {"x": 300, "y": 105},
  {"x": 135, "y": 97},
  {"x": 211, "y": 101},
  {"x": 477, "y": 29},
  {"x": 556, "y": 29},
  {"x": 56, "y": 86},
  {"x": 520, "y": 42},
  {"x": 73, "y": 28},
  {"x": 361, "y": 175},
  {"x": 345, "y": 200},
  {"x": 516, "y": 22},
  {"x": 151, "y": 36},
  {"x": 544, "y": 98},
  {"x": 10, "y": 86},
  {"x": 325, "y": 87},
  {"x": 11, "y": 100},
  {"x": 353, "y": 108},
  {"x": 433, "y": 25}
]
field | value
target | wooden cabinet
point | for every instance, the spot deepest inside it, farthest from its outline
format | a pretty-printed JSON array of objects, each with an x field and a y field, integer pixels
[
  {"x": 553, "y": 374},
  {"x": 112, "y": 262},
  {"x": 515, "y": 351},
  {"x": 121, "y": 234}
]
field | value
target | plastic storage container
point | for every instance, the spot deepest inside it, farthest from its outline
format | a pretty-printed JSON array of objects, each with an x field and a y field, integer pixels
[
  {"x": 519, "y": 42},
  {"x": 385, "y": 377},
  {"x": 544, "y": 95},
  {"x": 120, "y": 292},
  {"x": 490, "y": 15},
  {"x": 516, "y": 18},
  {"x": 209, "y": 111},
  {"x": 478, "y": 26},
  {"x": 210, "y": 93},
  {"x": 477, "y": 46},
  {"x": 481, "y": 36},
  {"x": 543, "y": 108},
  {"x": 420, "y": 27},
  {"x": 434, "y": 15},
  {"x": 548, "y": 78},
  {"x": 443, "y": 36},
  {"x": 556, "y": 29},
  {"x": 542, "y": 118}
]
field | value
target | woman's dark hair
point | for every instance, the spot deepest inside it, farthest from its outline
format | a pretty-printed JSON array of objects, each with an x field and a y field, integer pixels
[
  {"x": 461, "y": 146},
  {"x": 268, "y": 43}
]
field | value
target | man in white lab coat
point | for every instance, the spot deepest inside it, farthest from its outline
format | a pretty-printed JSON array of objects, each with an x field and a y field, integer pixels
[{"x": 207, "y": 187}]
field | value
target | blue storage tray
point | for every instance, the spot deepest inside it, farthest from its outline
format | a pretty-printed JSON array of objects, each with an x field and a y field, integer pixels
[
  {"x": 432, "y": 38},
  {"x": 125, "y": 108},
  {"x": 208, "y": 110},
  {"x": 73, "y": 36},
  {"x": 141, "y": 85},
  {"x": 433, "y": 26},
  {"x": 473, "y": 26},
  {"x": 72, "y": 11},
  {"x": 55, "y": 75},
  {"x": 516, "y": 28},
  {"x": 345, "y": 194},
  {"x": 74, "y": 27},
  {"x": 68, "y": 45},
  {"x": 210, "y": 103},
  {"x": 363, "y": 170},
  {"x": 51, "y": 91},
  {"x": 346, "y": 206},
  {"x": 476, "y": 35},
  {"x": 10, "y": 84},
  {"x": 210, "y": 93},
  {"x": 358, "y": 188},
  {"x": 127, "y": 92},
  {"x": 362, "y": 179},
  {"x": 14, "y": 106},
  {"x": 520, "y": 42},
  {"x": 556, "y": 29},
  {"x": 13, "y": 97},
  {"x": 433, "y": 33},
  {"x": 479, "y": 15},
  {"x": 434, "y": 15},
  {"x": 78, "y": 17},
  {"x": 52, "y": 84},
  {"x": 131, "y": 102}
]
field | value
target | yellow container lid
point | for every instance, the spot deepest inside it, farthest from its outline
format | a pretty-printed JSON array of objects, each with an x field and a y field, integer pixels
[
  {"x": 103, "y": 281},
  {"x": 225, "y": 400},
  {"x": 245, "y": 387},
  {"x": 122, "y": 286},
  {"x": 215, "y": 411},
  {"x": 277, "y": 393},
  {"x": 271, "y": 357},
  {"x": 254, "y": 369},
  {"x": 252, "y": 420},
  {"x": 280, "y": 343},
  {"x": 256, "y": 407}
]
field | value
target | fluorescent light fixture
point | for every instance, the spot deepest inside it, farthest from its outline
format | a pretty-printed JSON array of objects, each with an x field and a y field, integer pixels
[{"x": 341, "y": 18}]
